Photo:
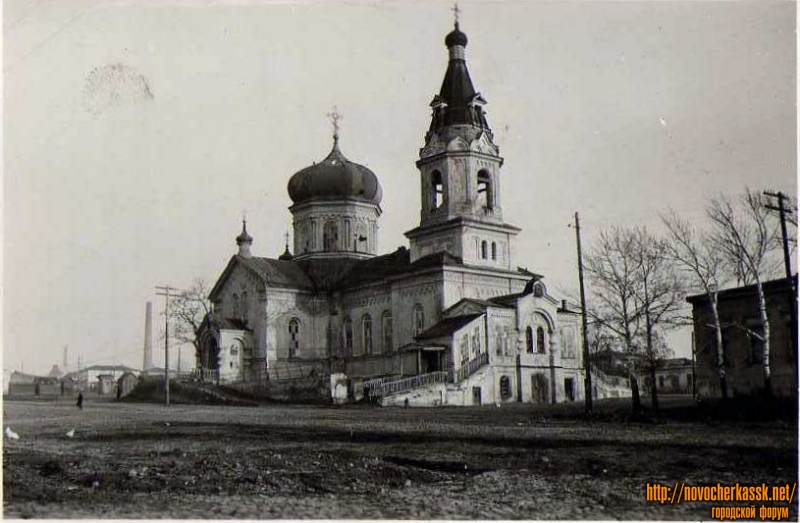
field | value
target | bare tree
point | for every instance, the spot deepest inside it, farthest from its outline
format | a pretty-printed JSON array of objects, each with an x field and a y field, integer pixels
[
  {"x": 612, "y": 271},
  {"x": 694, "y": 253},
  {"x": 189, "y": 308},
  {"x": 745, "y": 237},
  {"x": 637, "y": 292},
  {"x": 659, "y": 295}
]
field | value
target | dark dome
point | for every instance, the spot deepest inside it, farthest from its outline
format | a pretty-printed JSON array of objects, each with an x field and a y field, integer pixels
[
  {"x": 335, "y": 178},
  {"x": 456, "y": 37}
]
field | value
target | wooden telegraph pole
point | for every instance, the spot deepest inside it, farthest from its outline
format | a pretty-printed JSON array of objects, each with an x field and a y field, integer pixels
[
  {"x": 587, "y": 379},
  {"x": 165, "y": 291},
  {"x": 787, "y": 262}
]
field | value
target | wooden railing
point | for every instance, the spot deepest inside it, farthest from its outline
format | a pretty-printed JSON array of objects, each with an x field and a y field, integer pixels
[
  {"x": 472, "y": 367},
  {"x": 406, "y": 384}
]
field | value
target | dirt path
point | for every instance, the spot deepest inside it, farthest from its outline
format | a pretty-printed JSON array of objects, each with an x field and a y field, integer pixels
[{"x": 146, "y": 461}]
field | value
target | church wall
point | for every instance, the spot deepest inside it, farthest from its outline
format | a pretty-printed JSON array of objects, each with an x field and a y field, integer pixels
[
  {"x": 424, "y": 290},
  {"x": 460, "y": 283},
  {"x": 371, "y": 301},
  {"x": 309, "y": 311}
]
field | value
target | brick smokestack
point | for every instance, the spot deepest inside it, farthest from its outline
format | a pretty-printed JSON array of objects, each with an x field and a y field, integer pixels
[{"x": 148, "y": 338}]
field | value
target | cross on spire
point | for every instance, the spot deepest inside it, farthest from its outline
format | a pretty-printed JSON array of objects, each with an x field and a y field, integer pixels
[
  {"x": 286, "y": 237},
  {"x": 456, "y": 11},
  {"x": 335, "y": 117}
]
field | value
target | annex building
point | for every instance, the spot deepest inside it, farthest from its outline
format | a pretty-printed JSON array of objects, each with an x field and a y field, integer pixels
[{"x": 448, "y": 320}]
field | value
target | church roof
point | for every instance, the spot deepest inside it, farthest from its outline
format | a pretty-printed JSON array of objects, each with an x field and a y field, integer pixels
[
  {"x": 335, "y": 178},
  {"x": 278, "y": 272},
  {"x": 457, "y": 102},
  {"x": 447, "y": 326}
]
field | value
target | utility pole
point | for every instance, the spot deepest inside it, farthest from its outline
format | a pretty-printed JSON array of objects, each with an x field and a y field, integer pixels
[
  {"x": 165, "y": 291},
  {"x": 787, "y": 265},
  {"x": 587, "y": 379}
]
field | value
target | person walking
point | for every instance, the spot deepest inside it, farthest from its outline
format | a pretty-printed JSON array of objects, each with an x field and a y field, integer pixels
[{"x": 80, "y": 400}]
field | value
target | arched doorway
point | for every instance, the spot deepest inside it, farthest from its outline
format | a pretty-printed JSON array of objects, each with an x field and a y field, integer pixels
[{"x": 539, "y": 389}]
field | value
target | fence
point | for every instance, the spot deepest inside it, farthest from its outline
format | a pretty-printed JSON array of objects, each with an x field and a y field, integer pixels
[{"x": 472, "y": 366}]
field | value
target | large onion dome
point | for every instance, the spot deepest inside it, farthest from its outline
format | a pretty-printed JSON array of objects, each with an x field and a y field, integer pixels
[{"x": 335, "y": 178}]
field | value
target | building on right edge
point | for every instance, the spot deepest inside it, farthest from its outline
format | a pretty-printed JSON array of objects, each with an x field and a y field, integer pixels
[{"x": 742, "y": 345}]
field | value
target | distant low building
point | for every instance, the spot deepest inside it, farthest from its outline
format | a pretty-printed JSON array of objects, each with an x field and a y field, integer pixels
[
  {"x": 743, "y": 347},
  {"x": 675, "y": 376},
  {"x": 95, "y": 377}
]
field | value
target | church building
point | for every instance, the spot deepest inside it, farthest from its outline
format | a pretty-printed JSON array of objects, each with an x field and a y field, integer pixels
[{"x": 449, "y": 320}]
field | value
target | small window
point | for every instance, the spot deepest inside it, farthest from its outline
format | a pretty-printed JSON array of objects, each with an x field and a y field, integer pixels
[
  {"x": 419, "y": 319},
  {"x": 485, "y": 194},
  {"x": 494, "y": 251},
  {"x": 505, "y": 387},
  {"x": 540, "y": 340},
  {"x": 386, "y": 326},
  {"x": 529, "y": 340},
  {"x": 437, "y": 190},
  {"x": 294, "y": 337},
  {"x": 484, "y": 254},
  {"x": 235, "y": 306},
  {"x": 348, "y": 337},
  {"x": 330, "y": 236},
  {"x": 366, "y": 333},
  {"x": 245, "y": 307}
]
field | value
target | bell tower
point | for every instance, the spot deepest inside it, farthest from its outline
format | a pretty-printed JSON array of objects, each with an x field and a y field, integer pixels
[{"x": 461, "y": 211}]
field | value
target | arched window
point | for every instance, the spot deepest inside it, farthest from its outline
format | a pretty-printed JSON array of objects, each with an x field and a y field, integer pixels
[
  {"x": 540, "y": 340},
  {"x": 348, "y": 337},
  {"x": 294, "y": 337},
  {"x": 386, "y": 327},
  {"x": 245, "y": 307},
  {"x": 235, "y": 306},
  {"x": 330, "y": 236},
  {"x": 505, "y": 387},
  {"x": 366, "y": 333},
  {"x": 494, "y": 251},
  {"x": 484, "y": 254},
  {"x": 538, "y": 290},
  {"x": 437, "y": 190},
  {"x": 485, "y": 193},
  {"x": 419, "y": 320},
  {"x": 529, "y": 340}
]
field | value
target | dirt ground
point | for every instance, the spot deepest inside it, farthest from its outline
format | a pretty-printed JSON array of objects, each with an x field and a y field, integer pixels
[{"x": 277, "y": 461}]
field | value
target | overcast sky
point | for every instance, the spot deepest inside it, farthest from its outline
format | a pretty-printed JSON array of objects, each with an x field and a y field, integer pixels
[{"x": 136, "y": 134}]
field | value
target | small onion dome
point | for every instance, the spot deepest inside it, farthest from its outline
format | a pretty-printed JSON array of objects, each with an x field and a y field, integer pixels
[
  {"x": 244, "y": 237},
  {"x": 335, "y": 178},
  {"x": 456, "y": 37},
  {"x": 286, "y": 256}
]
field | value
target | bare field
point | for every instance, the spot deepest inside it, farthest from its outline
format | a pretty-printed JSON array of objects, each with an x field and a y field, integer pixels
[{"x": 278, "y": 461}]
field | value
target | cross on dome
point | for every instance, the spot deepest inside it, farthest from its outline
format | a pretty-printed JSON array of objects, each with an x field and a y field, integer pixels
[
  {"x": 456, "y": 11},
  {"x": 335, "y": 117}
]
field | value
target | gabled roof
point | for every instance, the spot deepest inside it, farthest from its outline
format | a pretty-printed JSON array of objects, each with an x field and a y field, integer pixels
[
  {"x": 280, "y": 273},
  {"x": 447, "y": 326}
]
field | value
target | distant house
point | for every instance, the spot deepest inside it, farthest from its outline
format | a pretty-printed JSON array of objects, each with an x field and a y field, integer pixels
[
  {"x": 743, "y": 348},
  {"x": 97, "y": 377},
  {"x": 675, "y": 376}
]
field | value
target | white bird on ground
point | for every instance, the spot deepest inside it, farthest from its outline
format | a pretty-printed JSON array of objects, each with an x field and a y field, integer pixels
[
  {"x": 70, "y": 433},
  {"x": 10, "y": 434}
]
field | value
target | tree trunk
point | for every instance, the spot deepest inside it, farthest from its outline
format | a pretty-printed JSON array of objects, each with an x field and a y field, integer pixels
[
  {"x": 652, "y": 358},
  {"x": 762, "y": 309},
  {"x": 723, "y": 379}
]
